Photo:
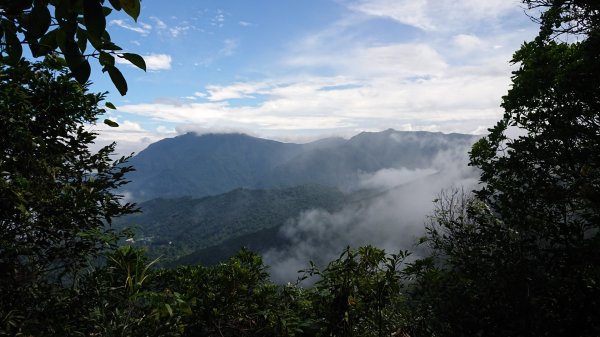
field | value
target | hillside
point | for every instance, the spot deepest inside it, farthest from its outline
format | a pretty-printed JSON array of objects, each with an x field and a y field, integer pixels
[
  {"x": 201, "y": 165},
  {"x": 212, "y": 194},
  {"x": 177, "y": 227}
]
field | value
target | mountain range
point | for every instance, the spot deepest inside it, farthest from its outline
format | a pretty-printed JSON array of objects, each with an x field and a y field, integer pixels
[
  {"x": 210, "y": 164},
  {"x": 203, "y": 197}
]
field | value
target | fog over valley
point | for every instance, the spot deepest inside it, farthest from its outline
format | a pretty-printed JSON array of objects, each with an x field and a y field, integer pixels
[
  {"x": 392, "y": 219},
  {"x": 205, "y": 196}
]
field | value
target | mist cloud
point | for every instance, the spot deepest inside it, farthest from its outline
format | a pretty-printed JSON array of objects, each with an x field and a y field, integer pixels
[{"x": 389, "y": 215}]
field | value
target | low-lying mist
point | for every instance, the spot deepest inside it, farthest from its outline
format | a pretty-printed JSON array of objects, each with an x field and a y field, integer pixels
[{"x": 390, "y": 213}]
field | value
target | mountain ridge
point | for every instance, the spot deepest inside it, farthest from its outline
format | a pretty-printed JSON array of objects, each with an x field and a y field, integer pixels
[{"x": 210, "y": 164}]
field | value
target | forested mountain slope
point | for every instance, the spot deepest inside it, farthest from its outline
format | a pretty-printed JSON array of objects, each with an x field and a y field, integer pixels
[
  {"x": 176, "y": 227},
  {"x": 200, "y": 165}
]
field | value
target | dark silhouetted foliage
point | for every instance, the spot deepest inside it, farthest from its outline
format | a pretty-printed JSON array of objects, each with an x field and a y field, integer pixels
[{"x": 56, "y": 194}]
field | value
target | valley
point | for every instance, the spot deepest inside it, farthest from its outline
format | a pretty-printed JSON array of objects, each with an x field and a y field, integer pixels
[{"x": 203, "y": 197}]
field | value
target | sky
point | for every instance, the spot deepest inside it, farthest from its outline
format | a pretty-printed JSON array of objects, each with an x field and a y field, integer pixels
[{"x": 301, "y": 70}]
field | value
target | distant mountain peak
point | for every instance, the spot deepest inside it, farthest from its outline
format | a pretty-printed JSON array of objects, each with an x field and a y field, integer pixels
[{"x": 198, "y": 165}]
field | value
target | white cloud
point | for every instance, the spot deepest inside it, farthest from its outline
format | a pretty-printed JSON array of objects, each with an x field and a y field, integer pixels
[
  {"x": 236, "y": 90},
  {"x": 387, "y": 177},
  {"x": 154, "y": 62},
  {"x": 165, "y": 130},
  {"x": 130, "y": 136},
  {"x": 160, "y": 24},
  {"x": 172, "y": 31},
  {"x": 412, "y": 13},
  {"x": 219, "y": 19},
  {"x": 399, "y": 60},
  {"x": 458, "y": 101},
  {"x": 435, "y": 15},
  {"x": 158, "y": 61},
  {"x": 468, "y": 42},
  {"x": 449, "y": 81},
  {"x": 229, "y": 47},
  {"x": 143, "y": 28},
  {"x": 178, "y": 30},
  {"x": 391, "y": 219}
]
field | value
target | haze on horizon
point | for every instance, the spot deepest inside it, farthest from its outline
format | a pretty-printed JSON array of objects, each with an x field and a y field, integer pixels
[{"x": 300, "y": 71}]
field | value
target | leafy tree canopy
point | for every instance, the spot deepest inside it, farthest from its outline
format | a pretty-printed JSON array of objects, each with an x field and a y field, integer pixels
[
  {"x": 56, "y": 194},
  {"x": 559, "y": 17},
  {"x": 521, "y": 257},
  {"x": 66, "y": 27}
]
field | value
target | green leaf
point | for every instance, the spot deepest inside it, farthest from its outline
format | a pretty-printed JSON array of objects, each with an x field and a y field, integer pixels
[
  {"x": 96, "y": 43},
  {"x": 106, "y": 36},
  {"x": 107, "y": 10},
  {"x": 23, "y": 209},
  {"x": 116, "y": 4},
  {"x": 110, "y": 46},
  {"x": 136, "y": 59},
  {"x": 79, "y": 66},
  {"x": 82, "y": 71},
  {"x": 39, "y": 21},
  {"x": 117, "y": 79},
  {"x": 185, "y": 308},
  {"x": 106, "y": 59},
  {"x": 93, "y": 14},
  {"x": 169, "y": 309},
  {"x": 82, "y": 39},
  {"x": 110, "y": 105},
  {"x": 110, "y": 123},
  {"x": 55, "y": 62},
  {"x": 13, "y": 45},
  {"x": 61, "y": 10},
  {"x": 14, "y": 51},
  {"x": 60, "y": 37},
  {"x": 131, "y": 7},
  {"x": 68, "y": 24}
]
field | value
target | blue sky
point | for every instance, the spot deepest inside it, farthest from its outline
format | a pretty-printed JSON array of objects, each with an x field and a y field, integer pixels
[{"x": 299, "y": 70}]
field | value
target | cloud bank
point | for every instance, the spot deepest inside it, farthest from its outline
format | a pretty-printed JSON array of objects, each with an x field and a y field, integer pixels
[{"x": 392, "y": 216}]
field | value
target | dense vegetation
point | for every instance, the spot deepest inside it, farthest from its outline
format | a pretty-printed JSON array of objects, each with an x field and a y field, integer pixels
[
  {"x": 51, "y": 27},
  {"x": 175, "y": 228},
  {"x": 519, "y": 257}
]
